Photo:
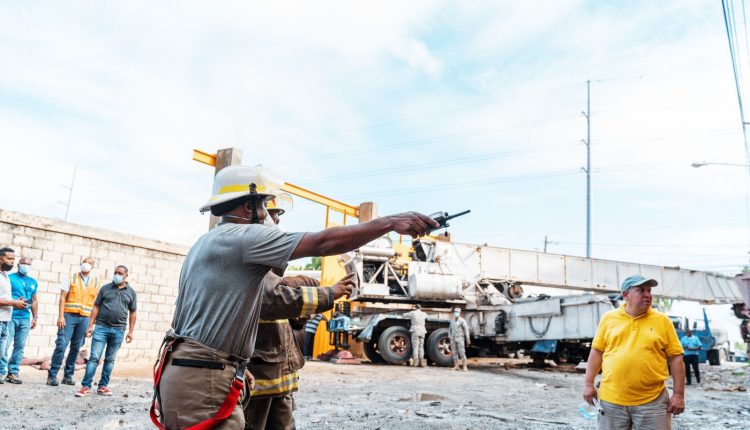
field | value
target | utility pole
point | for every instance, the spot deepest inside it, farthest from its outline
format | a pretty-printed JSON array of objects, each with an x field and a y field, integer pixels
[
  {"x": 545, "y": 244},
  {"x": 70, "y": 193},
  {"x": 224, "y": 158},
  {"x": 587, "y": 114}
]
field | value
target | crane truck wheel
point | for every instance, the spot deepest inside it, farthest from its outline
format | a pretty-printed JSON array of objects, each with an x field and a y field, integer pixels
[
  {"x": 438, "y": 347},
  {"x": 394, "y": 345},
  {"x": 372, "y": 354}
]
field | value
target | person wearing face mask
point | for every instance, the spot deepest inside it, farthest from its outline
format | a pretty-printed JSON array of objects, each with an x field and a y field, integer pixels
[
  {"x": 114, "y": 310},
  {"x": 23, "y": 287},
  {"x": 219, "y": 297},
  {"x": 76, "y": 301},
  {"x": 7, "y": 303},
  {"x": 460, "y": 337}
]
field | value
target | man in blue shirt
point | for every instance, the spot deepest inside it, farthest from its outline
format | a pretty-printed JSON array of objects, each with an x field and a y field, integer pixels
[
  {"x": 22, "y": 321},
  {"x": 692, "y": 346}
]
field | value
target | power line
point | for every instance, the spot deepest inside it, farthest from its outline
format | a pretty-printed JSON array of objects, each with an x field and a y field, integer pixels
[
  {"x": 426, "y": 141},
  {"x": 442, "y": 187},
  {"x": 440, "y": 163},
  {"x": 433, "y": 114}
]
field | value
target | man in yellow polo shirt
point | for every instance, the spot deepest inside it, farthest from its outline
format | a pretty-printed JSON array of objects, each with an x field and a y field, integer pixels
[{"x": 633, "y": 347}]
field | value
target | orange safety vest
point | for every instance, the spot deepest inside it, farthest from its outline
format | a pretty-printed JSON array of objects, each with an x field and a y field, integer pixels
[{"x": 80, "y": 299}]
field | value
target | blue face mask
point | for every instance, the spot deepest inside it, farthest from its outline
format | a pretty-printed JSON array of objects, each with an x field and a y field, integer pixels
[
  {"x": 23, "y": 269},
  {"x": 118, "y": 279}
]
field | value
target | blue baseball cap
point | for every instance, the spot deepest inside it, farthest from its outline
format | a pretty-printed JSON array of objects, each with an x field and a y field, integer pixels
[{"x": 636, "y": 281}]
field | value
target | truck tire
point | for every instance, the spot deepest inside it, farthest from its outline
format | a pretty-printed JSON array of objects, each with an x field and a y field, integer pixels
[
  {"x": 713, "y": 357},
  {"x": 438, "y": 347},
  {"x": 394, "y": 345},
  {"x": 372, "y": 354}
]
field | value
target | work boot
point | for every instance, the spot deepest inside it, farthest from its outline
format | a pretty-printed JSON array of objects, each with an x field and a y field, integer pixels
[
  {"x": 68, "y": 380},
  {"x": 13, "y": 379},
  {"x": 423, "y": 362},
  {"x": 414, "y": 362},
  {"x": 465, "y": 369},
  {"x": 52, "y": 381}
]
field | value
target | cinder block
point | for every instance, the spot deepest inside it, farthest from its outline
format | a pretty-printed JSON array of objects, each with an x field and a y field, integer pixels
[
  {"x": 144, "y": 325},
  {"x": 158, "y": 299},
  {"x": 5, "y": 238},
  {"x": 41, "y": 264},
  {"x": 69, "y": 258},
  {"x": 56, "y": 237},
  {"x": 46, "y": 276},
  {"x": 61, "y": 268},
  {"x": 164, "y": 309},
  {"x": 44, "y": 244},
  {"x": 32, "y": 253},
  {"x": 22, "y": 240},
  {"x": 31, "y": 352},
  {"x": 82, "y": 250},
  {"x": 52, "y": 256},
  {"x": 63, "y": 247}
]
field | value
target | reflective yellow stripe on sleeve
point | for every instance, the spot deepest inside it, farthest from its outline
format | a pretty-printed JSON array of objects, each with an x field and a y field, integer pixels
[
  {"x": 272, "y": 321},
  {"x": 284, "y": 384},
  {"x": 309, "y": 300}
]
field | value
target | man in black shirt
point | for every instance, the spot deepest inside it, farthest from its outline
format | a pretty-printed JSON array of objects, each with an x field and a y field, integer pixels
[{"x": 110, "y": 314}]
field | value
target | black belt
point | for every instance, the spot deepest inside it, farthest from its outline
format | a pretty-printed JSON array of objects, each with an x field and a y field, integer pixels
[{"x": 202, "y": 364}]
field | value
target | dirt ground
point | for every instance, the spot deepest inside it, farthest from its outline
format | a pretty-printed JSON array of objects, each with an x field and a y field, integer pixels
[{"x": 494, "y": 394}]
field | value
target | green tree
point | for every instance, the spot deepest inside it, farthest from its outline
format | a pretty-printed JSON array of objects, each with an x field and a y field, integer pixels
[{"x": 315, "y": 264}]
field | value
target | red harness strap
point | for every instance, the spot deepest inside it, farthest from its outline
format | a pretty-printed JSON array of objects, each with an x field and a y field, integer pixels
[{"x": 226, "y": 408}]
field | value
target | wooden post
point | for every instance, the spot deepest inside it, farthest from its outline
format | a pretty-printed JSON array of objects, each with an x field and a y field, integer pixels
[
  {"x": 368, "y": 211},
  {"x": 225, "y": 157}
]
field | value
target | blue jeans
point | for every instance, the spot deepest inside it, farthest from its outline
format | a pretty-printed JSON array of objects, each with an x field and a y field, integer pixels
[
  {"x": 112, "y": 338},
  {"x": 4, "y": 335},
  {"x": 74, "y": 334},
  {"x": 18, "y": 333}
]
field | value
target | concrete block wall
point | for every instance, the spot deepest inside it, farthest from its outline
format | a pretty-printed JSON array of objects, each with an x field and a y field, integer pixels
[{"x": 57, "y": 248}]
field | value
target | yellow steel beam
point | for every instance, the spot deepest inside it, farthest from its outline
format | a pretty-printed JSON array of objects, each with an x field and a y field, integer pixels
[
  {"x": 336, "y": 205},
  {"x": 347, "y": 210},
  {"x": 204, "y": 157}
]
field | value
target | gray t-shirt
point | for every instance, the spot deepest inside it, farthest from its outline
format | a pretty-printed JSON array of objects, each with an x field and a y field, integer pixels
[
  {"x": 219, "y": 296},
  {"x": 114, "y": 304}
]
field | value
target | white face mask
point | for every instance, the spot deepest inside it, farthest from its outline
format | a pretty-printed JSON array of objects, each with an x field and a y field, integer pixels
[
  {"x": 86, "y": 267},
  {"x": 268, "y": 222},
  {"x": 118, "y": 279}
]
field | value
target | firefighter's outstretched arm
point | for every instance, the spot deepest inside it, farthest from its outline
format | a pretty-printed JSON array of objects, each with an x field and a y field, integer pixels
[{"x": 337, "y": 240}]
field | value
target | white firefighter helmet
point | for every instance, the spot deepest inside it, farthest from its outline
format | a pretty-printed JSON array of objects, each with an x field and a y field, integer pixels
[
  {"x": 233, "y": 182},
  {"x": 282, "y": 203}
]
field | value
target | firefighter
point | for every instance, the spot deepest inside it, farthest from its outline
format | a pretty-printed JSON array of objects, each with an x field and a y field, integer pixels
[
  {"x": 460, "y": 338},
  {"x": 200, "y": 372},
  {"x": 418, "y": 331},
  {"x": 277, "y": 356}
]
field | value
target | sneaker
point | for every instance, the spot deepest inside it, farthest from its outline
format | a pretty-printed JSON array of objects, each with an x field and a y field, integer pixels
[
  {"x": 13, "y": 379},
  {"x": 68, "y": 381},
  {"x": 83, "y": 391},
  {"x": 2, "y": 379},
  {"x": 104, "y": 391},
  {"x": 52, "y": 381}
]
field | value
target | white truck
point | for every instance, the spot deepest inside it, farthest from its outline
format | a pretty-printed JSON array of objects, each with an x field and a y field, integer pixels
[{"x": 487, "y": 283}]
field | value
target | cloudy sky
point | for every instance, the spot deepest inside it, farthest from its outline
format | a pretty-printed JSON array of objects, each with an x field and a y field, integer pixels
[{"x": 421, "y": 106}]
